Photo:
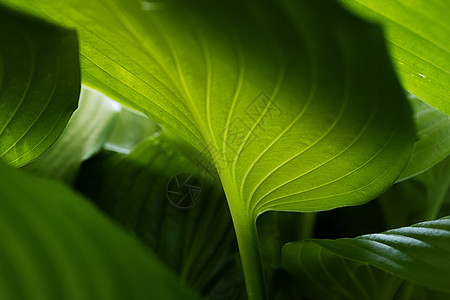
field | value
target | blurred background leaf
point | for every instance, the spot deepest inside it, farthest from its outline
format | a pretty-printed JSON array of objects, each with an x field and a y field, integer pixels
[
  {"x": 196, "y": 239},
  {"x": 56, "y": 245}
]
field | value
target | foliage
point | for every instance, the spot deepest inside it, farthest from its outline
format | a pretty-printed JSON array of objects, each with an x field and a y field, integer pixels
[{"x": 257, "y": 109}]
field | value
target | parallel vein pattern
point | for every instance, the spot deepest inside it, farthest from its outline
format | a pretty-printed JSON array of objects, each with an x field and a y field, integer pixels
[
  {"x": 40, "y": 84},
  {"x": 278, "y": 96},
  {"x": 418, "y": 253},
  {"x": 417, "y": 34}
]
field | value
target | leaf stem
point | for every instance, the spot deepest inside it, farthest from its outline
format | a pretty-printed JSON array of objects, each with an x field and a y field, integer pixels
[
  {"x": 248, "y": 243},
  {"x": 250, "y": 253}
]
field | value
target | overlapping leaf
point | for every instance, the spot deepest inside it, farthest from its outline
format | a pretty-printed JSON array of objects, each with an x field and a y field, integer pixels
[
  {"x": 418, "y": 253},
  {"x": 287, "y": 134},
  {"x": 433, "y": 133},
  {"x": 55, "y": 245},
  {"x": 276, "y": 93},
  {"x": 39, "y": 85},
  {"x": 84, "y": 135},
  {"x": 417, "y": 32}
]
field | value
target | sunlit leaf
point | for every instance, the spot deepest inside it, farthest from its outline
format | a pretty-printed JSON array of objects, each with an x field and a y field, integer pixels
[
  {"x": 276, "y": 93},
  {"x": 417, "y": 33}
]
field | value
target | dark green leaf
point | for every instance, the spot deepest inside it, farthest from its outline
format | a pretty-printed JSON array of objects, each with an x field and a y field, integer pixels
[
  {"x": 84, "y": 135},
  {"x": 418, "y": 253},
  {"x": 197, "y": 241},
  {"x": 39, "y": 85},
  {"x": 55, "y": 245},
  {"x": 417, "y": 199}
]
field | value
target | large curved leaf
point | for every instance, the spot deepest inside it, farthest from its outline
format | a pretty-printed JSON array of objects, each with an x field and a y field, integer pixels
[
  {"x": 276, "y": 93},
  {"x": 39, "y": 85},
  {"x": 417, "y": 32},
  {"x": 418, "y": 253},
  {"x": 55, "y": 245},
  {"x": 198, "y": 242}
]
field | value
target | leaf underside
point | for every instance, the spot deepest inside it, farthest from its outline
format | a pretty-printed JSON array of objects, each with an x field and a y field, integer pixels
[{"x": 291, "y": 117}]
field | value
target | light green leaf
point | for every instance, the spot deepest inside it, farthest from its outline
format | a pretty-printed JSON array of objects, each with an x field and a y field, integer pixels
[
  {"x": 417, "y": 33},
  {"x": 39, "y": 85},
  {"x": 433, "y": 144},
  {"x": 196, "y": 239},
  {"x": 418, "y": 253},
  {"x": 276, "y": 93},
  {"x": 84, "y": 136},
  {"x": 55, "y": 245}
]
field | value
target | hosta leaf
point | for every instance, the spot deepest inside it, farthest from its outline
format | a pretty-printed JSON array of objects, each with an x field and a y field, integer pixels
[
  {"x": 277, "y": 92},
  {"x": 55, "y": 245},
  {"x": 197, "y": 241},
  {"x": 265, "y": 86},
  {"x": 418, "y": 253},
  {"x": 417, "y": 33},
  {"x": 39, "y": 85},
  {"x": 433, "y": 144},
  {"x": 84, "y": 135}
]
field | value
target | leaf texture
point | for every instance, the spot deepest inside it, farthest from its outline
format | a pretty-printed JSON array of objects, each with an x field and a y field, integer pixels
[
  {"x": 84, "y": 135},
  {"x": 417, "y": 34},
  {"x": 39, "y": 85},
  {"x": 418, "y": 253}
]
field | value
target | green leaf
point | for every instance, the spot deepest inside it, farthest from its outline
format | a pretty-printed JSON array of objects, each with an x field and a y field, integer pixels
[
  {"x": 417, "y": 34},
  {"x": 197, "y": 242},
  {"x": 85, "y": 134},
  {"x": 55, "y": 245},
  {"x": 320, "y": 274},
  {"x": 417, "y": 199},
  {"x": 39, "y": 85},
  {"x": 433, "y": 144},
  {"x": 276, "y": 93},
  {"x": 418, "y": 253}
]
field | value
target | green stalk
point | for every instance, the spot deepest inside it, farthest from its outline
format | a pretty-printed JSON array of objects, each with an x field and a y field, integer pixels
[
  {"x": 248, "y": 243},
  {"x": 250, "y": 252}
]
